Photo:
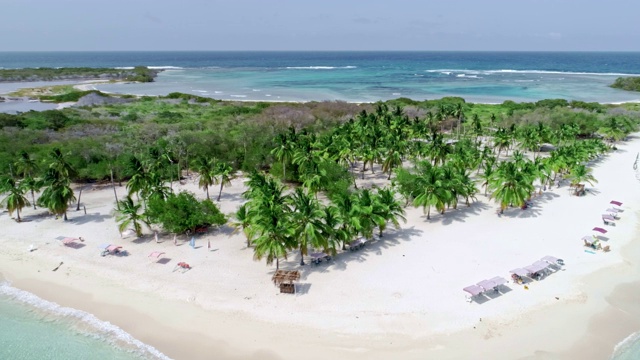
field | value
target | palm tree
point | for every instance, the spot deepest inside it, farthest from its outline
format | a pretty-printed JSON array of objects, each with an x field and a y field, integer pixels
[
  {"x": 283, "y": 152},
  {"x": 15, "y": 200},
  {"x": 205, "y": 167},
  {"x": 487, "y": 176},
  {"x": 369, "y": 213},
  {"x": 391, "y": 208},
  {"x": 501, "y": 140},
  {"x": 345, "y": 203},
  {"x": 333, "y": 231},
  {"x": 307, "y": 222},
  {"x": 271, "y": 222},
  {"x": 58, "y": 193},
  {"x": 139, "y": 181},
  {"x": 223, "y": 175},
  {"x": 128, "y": 214},
  {"x": 391, "y": 161},
  {"x": 512, "y": 185},
  {"x": 60, "y": 163},
  {"x": 27, "y": 167},
  {"x": 580, "y": 174},
  {"x": 32, "y": 185},
  {"x": 243, "y": 222},
  {"x": 430, "y": 188}
]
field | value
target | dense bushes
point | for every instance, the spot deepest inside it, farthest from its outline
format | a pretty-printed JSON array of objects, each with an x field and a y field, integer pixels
[
  {"x": 181, "y": 212},
  {"x": 628, "y": 83}
]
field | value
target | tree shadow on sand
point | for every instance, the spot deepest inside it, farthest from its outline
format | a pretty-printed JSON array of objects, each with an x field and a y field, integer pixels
[
  {"x": 343, "y": 258},
  {"x": 84, "y": 219}
]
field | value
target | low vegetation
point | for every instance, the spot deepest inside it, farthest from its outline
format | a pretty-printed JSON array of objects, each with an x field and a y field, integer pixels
[
  {"x": 627, "y": 83},
  {"x": 139, "y": 73}
]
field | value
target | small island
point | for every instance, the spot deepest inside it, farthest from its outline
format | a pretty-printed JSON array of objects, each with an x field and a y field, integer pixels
[
  {"x": 138, "y": 73},
  {"x": 627, "y": 83}
]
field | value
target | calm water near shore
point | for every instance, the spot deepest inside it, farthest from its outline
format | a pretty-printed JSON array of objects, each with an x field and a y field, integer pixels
[{"x": 33, "y": 328}]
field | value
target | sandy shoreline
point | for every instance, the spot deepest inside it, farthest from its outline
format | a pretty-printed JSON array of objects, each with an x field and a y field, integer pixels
[{"x": 400, "y": 297}]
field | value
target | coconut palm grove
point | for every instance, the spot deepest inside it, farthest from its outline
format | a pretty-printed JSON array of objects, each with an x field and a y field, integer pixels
[{"x": 300, "y": 162}]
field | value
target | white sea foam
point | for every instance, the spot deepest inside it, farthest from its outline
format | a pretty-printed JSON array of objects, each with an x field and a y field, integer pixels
[
  {"x": 625, "y": 345},
  {"x": 107, "y": 331},
  {"x": 200, "y": 91},
  {"x": 511, "y": 71},
  {"x": 256, "y": 90},
  {"x": 319, "y": 67},
  {"x": 238, "y": 96},
  {"x": 217, "y": 92},
  {"x": 396, "y": 94},
  {"x": 165, "y": 67},
  {"x": 124, "y": 67}
]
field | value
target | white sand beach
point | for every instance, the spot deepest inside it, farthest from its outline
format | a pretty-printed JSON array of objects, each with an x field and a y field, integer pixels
[{"x": 398, "y": 297}]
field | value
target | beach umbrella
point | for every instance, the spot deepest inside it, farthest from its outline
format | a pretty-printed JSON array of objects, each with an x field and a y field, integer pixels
[{"x": 103, "y": 246}]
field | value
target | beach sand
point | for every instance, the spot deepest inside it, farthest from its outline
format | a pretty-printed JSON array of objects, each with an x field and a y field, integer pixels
[{"x": 399, "y": 297}]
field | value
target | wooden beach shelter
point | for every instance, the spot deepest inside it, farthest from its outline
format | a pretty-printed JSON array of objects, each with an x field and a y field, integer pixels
[{"x": 284, "y": 280}]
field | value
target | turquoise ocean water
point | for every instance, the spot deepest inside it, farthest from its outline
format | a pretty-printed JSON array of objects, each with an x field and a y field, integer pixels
[
  {"x": 32, "y": 328},
  {"x": 491, "y": 77}
]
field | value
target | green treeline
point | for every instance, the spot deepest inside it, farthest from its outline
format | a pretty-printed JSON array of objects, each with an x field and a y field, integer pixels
[
  {"x": 627, "y": 83},
  {"x": 139, "y": 73},
  {"x": 183, "y": 128}
]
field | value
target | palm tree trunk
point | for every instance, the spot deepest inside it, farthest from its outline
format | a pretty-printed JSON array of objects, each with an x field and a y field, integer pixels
[
  {"x": 428, "y": 212},
  {"x": 113, "y": 185},
  {"x": 207, "y": 189},
  {"x": 277, "y": 263},
  {"x": 220, "y": 193},
  {"x": 301, "y": 257},
  {"x": 18, "y": 212},
  {"x": 33, "y": 198},
  {"x": 79, "y": 196},
  {"x": 65, "y": 215}
]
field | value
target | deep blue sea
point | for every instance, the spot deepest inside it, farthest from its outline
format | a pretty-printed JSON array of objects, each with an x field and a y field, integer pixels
[{"x": 490, "y": 77}]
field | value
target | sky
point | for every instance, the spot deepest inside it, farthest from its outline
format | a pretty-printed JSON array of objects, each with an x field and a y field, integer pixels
[{"x": 467, "y": 25}]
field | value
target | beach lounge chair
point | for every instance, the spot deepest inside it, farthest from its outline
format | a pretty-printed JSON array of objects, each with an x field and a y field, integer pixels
[
  {"x": 357, "y": 244},
  {"x": 552, "y": 260},
  {"x": 499, "y": 281},
  {"x": 536, "y": 271},
  {"x": 517, "y": 275},
  {"x": 600, "y": 230},
  {"x": 473, "y": 291},
  {"x": 317, "y": 257},
  {"x": 608, "y": 219},
  {"x": 615, "y": 202},
  {"x": 487, "y": 285}
]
